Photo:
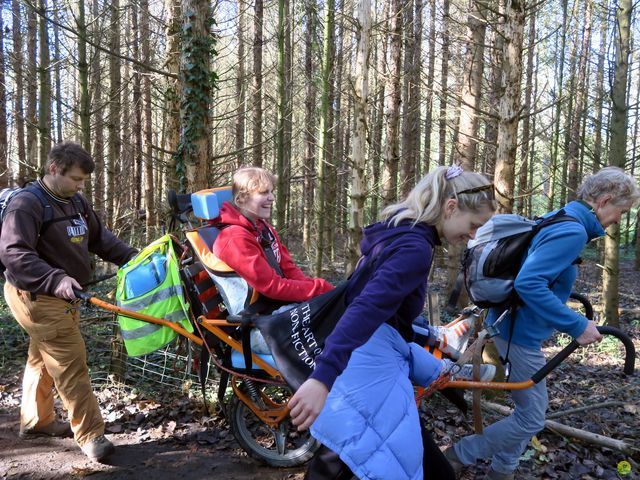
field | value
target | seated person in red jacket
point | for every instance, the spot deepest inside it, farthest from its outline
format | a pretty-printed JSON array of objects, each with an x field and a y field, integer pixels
[{"x": 241, "y": 244}]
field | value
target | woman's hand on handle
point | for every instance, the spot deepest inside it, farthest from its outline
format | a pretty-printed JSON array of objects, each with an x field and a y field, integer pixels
[
  {"x": 307, "y": 403},
  {"x": 590, "y": 334}
]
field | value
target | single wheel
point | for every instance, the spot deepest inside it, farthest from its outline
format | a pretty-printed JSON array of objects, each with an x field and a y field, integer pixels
[
  {"x": 584, "y": 306},
  {"x": 282, "y": 446}
]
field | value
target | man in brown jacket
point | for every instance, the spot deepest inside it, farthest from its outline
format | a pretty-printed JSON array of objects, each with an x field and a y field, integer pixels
[{"x": 45, "y": 261}]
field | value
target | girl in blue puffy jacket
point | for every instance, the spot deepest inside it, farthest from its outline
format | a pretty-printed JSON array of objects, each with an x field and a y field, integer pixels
[{"x": 359, "y": 400}]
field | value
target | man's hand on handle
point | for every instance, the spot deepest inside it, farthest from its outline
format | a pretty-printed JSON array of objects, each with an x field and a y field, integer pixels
[{"x": 65, "y": 288}]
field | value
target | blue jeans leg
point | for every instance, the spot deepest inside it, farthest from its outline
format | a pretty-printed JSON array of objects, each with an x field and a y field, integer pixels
[{"x": 505, "y": 441}]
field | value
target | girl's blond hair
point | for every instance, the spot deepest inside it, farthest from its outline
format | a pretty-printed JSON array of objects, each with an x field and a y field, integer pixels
[
  {"x": 425, "y": 203},
  {"x": 248, "y": 180}
]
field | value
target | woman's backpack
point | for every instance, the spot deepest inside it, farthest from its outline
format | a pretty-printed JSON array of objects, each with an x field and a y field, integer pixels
[{"x": 493, "y": 259}]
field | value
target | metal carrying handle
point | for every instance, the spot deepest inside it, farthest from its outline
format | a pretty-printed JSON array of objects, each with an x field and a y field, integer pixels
[
  {"x": 629, "y": 358},
  {"x": 629, "y": 361}
]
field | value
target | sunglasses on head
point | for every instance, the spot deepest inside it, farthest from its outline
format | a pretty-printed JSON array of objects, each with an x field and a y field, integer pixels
[{"x": 481, "y": 188}]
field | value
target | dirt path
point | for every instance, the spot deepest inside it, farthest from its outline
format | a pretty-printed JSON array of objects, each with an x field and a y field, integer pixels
[{"x": 166, "y": 459}]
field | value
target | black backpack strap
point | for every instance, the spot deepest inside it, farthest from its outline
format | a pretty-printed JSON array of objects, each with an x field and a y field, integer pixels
[
  {"x": 266, "y": 242},
  {"x": 47, "y": 217},
  {"x": 40, "y": 194}
]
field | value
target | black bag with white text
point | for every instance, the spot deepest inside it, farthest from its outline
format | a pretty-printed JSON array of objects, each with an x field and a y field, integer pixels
[{"x": 296, "y": 336}]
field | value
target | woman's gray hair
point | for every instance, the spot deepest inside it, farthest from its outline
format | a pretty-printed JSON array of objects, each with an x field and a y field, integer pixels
[
  {"x": 425, "y": 203},
  {"x": 612, "y": 181}
]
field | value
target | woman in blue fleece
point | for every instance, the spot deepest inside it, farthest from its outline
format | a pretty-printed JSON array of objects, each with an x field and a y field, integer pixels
[
  {"x": 365, "y": 372},
  {"x": 544, "y": 284}
]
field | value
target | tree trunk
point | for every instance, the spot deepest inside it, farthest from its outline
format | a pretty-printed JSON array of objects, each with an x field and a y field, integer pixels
[
  {"x": 324, "y": 133},
  {"x": 172, "y": 96},
  {"x": 195, "y": 99},
  {"x": 619, "y": 121},
  {"x": 96, "y": 98},
  {"x": 493, "y": 98},
  {"x": 428, "y": 117},
  {"x": 309, "y": 122},
  {"x": 579, "y": 107},
  {"x": 359, "y": 140},
  {"x": 240, "y": 87},
  {"x": 375, "y": 153},
  {"x": 113, "y": 125},
  {"x": 466, "y": 145},
  {"x": 284, "y": 119},
  {"x": 147, "y": 127},
  {"x": 44, "y": 77},
  {"x": 411, "y": 103},
  {"x": 444, "y": 78},
  {"x": 137, "y": 113},
  {"x": 509, "y": 105},
  {"x": 58, "y": 83},
  {"x": 83, "y": 78},
  {"x": 5, "y": 174},
  {"x": 555, "y": 141},
  {"x": 600, "y": 93},
  {"x": 17, "y": 63},
  {"x": 392, "y": 109},
  {"x": 32, "y": 93},
  {"x": 257, "y": 83},
  {"x": 523, "y": 188}
]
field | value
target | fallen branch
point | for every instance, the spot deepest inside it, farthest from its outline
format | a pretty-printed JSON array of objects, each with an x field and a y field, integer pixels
[
  {"x": 561, "y": 429},
  {"x": 562, "y": 413}
]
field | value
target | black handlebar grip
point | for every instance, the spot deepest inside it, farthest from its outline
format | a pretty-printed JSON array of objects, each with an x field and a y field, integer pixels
[
  {"x": 82, "y": 295},
  {"x": 629, "y": 359}
]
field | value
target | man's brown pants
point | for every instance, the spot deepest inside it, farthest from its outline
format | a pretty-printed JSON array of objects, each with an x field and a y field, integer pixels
[{"x": 57, "y": 356}]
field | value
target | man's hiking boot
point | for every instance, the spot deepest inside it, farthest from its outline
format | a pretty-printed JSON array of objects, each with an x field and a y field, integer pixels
[
  {"x": 465, "y": 372},
  {"x": 493, "y": 475},
  {"x": 98, "y": 449},
  {"x": 454, "y": 461},
  {"x": 453, "y": 340},
  {"x": 57, "y": 428}
]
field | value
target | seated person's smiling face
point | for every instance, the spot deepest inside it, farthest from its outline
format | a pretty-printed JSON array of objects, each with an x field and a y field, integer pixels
[{"x": 258, "y": 204}]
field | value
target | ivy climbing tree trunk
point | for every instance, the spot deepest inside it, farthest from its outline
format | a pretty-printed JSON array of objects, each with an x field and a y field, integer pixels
[
  {"x": 196, "y": 82},
  {"x": 619, "y": 120}
]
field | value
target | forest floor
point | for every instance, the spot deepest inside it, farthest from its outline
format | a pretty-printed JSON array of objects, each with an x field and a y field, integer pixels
[{"x": 160, "y": 430}]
